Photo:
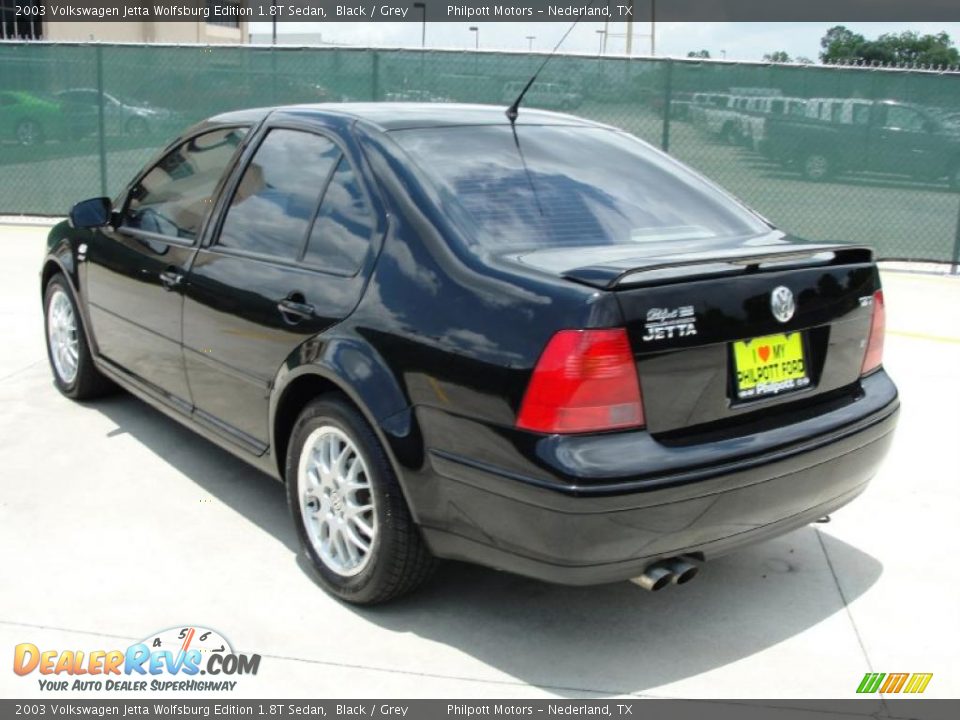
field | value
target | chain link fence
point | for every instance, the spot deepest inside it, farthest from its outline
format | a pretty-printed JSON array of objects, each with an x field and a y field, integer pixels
[{"x": 854, "y": 154}]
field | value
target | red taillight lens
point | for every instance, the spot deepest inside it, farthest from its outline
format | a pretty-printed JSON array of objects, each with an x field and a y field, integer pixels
[
  {"x": 873, "y": 357},
  {"x": 585, "y": 381}
]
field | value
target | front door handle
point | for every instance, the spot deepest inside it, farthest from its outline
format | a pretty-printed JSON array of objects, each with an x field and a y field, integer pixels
[
  {"x": 294, "y": 308},
  {"x": 170, "y": 278}
]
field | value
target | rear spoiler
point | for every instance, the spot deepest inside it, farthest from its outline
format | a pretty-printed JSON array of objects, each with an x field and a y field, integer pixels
[{"x": 665, "y": 269}]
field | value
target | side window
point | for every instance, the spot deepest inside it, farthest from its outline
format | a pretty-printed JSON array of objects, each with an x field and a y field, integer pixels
[
  {"x": 277, "y": 196},
  {"x": 175, "y": 196},
  {"x": 901, "y": 118},
  {"x": 341, "y": 233}
]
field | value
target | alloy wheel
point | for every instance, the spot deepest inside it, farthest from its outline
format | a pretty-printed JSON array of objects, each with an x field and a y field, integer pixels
[
  {"x": 62, "y": 336},
  {"x": 336, "y": 501}
]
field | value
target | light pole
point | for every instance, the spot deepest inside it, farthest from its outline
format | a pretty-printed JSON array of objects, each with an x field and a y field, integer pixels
[
  {"x": 530, "y": 39},
  {"x": 476, "y": 38},
  {"x": 423, "y": 23},
  {"x": 273, "y": 5},
  {"x": 653, "y": 27}
]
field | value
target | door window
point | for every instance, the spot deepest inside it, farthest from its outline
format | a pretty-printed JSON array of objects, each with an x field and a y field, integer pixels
[
  {"x": 277, "y": 197},
  {"x": 174, "y": 197},
  {"x": 902, "y": 118},
  {"x": 341, "y": 233}
]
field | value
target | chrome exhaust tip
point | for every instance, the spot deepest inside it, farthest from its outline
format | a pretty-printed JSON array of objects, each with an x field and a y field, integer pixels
[
  {"x": 656, "y": 577},
  {"x": 681, "y": 571}
]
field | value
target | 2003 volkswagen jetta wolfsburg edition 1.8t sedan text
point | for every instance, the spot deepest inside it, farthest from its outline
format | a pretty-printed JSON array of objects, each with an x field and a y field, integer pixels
[{"x": 539, "y": 345}]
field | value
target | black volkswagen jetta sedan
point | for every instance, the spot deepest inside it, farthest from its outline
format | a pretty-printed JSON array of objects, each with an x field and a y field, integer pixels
[{"x": 545, "y": 346}]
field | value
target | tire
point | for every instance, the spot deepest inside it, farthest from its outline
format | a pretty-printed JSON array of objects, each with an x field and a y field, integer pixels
[
  {"x": 816, "y": 166},
  {"x": 373, "y": 511},
  {"x": 71, "y": 362},
  {"x": 29, "y": 132},
  {"x": 137, "y": 127}
]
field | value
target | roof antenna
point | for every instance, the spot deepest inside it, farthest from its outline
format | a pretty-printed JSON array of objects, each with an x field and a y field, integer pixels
[{"x": 514, "y": 110}]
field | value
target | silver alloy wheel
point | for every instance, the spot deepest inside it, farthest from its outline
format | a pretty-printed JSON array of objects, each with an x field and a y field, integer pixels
[
  {"x": 62, "y": 336},
  {"x": 336, "y": 501}
]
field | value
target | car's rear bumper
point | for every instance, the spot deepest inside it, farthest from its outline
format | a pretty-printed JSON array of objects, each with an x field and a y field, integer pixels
[{"x": 610, "y": 529}]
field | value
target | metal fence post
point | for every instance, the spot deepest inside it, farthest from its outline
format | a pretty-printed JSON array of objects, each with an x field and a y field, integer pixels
[
  {"x": 667, "y": 109},
  {"x": 375, "y": 77},
  {"x": 101, "y": 132}
]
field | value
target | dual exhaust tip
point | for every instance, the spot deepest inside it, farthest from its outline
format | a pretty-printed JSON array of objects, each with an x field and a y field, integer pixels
[{"x": 675, "y": 571}]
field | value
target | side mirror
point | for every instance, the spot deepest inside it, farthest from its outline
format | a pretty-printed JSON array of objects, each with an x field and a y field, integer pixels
[{"x": 92, "y": 213}]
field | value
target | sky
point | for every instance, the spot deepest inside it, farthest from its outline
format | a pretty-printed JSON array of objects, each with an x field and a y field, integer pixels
[{"x": 735, "y": 41}]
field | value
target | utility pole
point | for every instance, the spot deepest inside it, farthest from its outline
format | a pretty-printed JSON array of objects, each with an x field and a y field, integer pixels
[
  {"x": 273, "y": 5},
  {"x": 530, "y": 39},
  {"x": 423, "y": 23},
  {"x": 630, "y": 30},
  {"x": 653, "y": 27}
]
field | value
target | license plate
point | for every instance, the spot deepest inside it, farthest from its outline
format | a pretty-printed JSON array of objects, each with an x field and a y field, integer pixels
[{"x": 769, "y": 365}]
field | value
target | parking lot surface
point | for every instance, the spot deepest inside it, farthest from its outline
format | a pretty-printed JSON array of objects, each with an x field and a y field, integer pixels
[{"x": 116, "y": 522}]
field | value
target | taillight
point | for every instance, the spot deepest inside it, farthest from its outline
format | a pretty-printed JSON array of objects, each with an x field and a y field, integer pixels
[
  {"x": 873, "y": 357},
  {"x": 585, "y": 381}
]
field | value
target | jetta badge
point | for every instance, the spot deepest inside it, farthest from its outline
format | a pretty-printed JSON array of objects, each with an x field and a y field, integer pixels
[{"x": 781, "y": 303}]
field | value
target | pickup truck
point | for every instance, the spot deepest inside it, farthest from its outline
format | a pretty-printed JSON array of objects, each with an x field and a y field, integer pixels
[{"x": 852, "y": 135}]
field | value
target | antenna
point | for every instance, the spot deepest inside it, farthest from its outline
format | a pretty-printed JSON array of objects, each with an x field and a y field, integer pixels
[{"x": 514, "y": 110}]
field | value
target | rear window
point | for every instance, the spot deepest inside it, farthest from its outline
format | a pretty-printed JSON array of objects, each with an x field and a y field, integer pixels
[{"x": 581, "y": 187}]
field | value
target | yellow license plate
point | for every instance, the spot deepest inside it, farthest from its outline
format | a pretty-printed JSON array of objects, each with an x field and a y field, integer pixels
[{"x": 769, "y": 365}]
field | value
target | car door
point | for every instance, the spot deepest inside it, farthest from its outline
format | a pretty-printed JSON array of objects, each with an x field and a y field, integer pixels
[
  {"x": 134, "y": 271},
  {"x": 903, "y": 142},
  {"x": 281, "y": 267}
]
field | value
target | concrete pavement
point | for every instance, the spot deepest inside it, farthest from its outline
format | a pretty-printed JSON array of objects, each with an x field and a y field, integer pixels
[{"x": 116, "y": 522}]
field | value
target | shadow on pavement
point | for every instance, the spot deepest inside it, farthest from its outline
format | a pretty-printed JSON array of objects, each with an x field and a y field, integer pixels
[{"x": 610, "y": 639}]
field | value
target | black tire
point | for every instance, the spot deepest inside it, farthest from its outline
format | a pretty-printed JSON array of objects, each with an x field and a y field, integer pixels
[
  {"x": 399, "y": 561},
  {"x": 816, "y": 166},
  {"x": 87, "y": 383}
]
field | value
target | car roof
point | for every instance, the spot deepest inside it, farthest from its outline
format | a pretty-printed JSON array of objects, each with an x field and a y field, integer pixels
[{"x": 405, "y": 116}]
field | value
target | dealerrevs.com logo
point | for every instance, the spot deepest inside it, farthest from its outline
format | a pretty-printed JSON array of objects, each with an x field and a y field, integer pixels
[{"x": 173, "y": 659}]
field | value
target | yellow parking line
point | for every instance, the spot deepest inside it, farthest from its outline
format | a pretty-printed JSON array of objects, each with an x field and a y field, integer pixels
[{"x": 923, "y": 336}]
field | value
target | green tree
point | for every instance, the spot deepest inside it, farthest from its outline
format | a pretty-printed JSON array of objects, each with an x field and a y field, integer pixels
[
  {"x": 840, "y": 44},
  {"x": 699, "y": 54},
  {"x": 778, "y": 56}
]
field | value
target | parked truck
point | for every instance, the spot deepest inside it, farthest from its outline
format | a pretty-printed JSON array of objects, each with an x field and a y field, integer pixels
[{"x": 856, "y": 135}]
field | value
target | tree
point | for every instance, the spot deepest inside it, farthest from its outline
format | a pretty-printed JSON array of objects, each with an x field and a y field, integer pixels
[
  {"x": 840, "y": 44},
  {"x": 699, "y": 54},
  {"x": 777, "y": 56}
]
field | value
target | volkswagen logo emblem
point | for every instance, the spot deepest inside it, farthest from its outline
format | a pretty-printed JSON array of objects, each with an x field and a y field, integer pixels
[{"x": 781, "y": 303}]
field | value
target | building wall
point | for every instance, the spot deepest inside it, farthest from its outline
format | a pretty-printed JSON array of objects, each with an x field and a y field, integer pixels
[{"x": 144, "y": 32}]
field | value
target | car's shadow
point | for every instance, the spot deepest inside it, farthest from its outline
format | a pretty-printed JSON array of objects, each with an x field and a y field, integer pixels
[{"x": 576, "y": 641}]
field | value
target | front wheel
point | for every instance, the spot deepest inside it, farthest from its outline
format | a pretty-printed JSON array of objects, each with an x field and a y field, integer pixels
[
  {"x": 74, "y": 373},
  {"x": 350, "y": 514}
]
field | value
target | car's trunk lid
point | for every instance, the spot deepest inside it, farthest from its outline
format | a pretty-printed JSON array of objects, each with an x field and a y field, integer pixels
[{"x": 685, "y": 311}]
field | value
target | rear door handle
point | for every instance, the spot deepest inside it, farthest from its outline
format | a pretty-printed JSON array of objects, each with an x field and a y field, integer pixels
[
  {"x": 294, "y": 309},
  {"x": 170, "y": 278}
]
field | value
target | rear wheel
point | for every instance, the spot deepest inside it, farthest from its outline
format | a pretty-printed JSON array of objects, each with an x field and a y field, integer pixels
[
  {"x": 74, "y": 373},
  {"x": 351, "y": 517},
  {"x": 137, "y": 127}
]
